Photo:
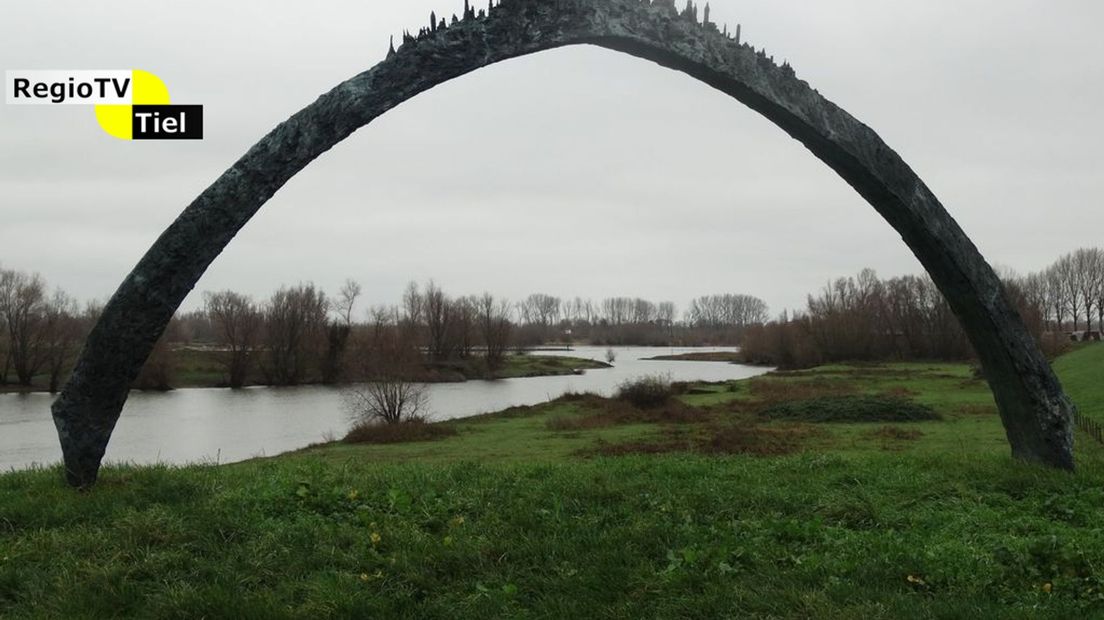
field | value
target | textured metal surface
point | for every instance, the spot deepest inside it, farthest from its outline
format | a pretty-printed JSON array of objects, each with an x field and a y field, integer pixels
[{"x": 1035, "y": 412}]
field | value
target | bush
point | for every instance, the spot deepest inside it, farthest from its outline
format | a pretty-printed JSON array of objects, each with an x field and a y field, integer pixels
[
  {"x": 646, "y": 392},
  {"x": 851, "y": 409},
  {"x": 408, "y": 431},
  {"x": 388, "y": 400}
]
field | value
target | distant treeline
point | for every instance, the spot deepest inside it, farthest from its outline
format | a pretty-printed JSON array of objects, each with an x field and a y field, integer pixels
[
  {"x": 300, "y": 334},
  {"x": 40, "y": 330},
  {"x": 865, "y": 318}
]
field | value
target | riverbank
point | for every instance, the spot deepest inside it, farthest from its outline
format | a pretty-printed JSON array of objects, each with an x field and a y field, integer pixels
[
  {"x": 192, "y": 368},
  {"x": 198, "y": 369},
  {"x": 732, "y": 500},
  {"x": 702, "y": 356}
]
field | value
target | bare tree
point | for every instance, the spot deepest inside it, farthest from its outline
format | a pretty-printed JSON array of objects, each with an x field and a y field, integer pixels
[
  {"x": 440, "y": 322},
  {"x": 617, "y": 311},
  {"x": 346, "y": 300},
  {"x": 412, "y": 304},
  {"x": 540, "y": 311},
  {"x": 730, "y": 310},
  {"x": 495, "y": 328},
  {"x": 385, "y": 400},
  {"x": 386, "y": 392},
  {"x": 1056, "y": 295},
  {"x": 1084, "y": 263},
  {"x": 63, "y": 333},
  {"x": 7, "y": 281},
  {"x": 238, "y": 324},
  {"x": 1098, "y": 271},
  {"x": 338, "y": 331},
  {"x": 1035, "y": 292},
  {"x": 295, "y": 320},
  {"x": 465, "y": 312},
  {"x": 1070, "y": 282},
  {"x": 23, "y": 306},
  {"x": 666, "y": 312}
]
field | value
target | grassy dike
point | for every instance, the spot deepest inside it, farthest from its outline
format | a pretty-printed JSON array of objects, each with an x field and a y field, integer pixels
[{"x": 730, "y": 501}]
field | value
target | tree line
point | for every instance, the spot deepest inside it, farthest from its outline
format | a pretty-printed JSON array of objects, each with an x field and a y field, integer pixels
[
  {"x": 302, "y": 334},
  {"x": 862, "y": 318},
  {"x": 430, "y": 330},
  {"x": 40, "y": 329},
  {"x": 865, "y": 318},
  {"x": 1069, "y": 294}
]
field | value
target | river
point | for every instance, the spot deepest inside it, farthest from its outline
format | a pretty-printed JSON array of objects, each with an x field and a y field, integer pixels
[{"x": 223, "y": 425}]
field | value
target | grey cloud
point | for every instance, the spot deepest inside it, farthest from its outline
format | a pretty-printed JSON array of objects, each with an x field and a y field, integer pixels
[{"x": 578, "y": 171}]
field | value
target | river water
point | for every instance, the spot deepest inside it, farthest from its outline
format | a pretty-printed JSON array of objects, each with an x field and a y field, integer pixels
[{"x": 223, "y": 425}]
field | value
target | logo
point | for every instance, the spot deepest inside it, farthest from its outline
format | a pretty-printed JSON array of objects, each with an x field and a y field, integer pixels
[{"x": 130, "y": 105}]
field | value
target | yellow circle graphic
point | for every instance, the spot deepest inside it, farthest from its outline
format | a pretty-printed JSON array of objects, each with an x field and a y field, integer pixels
[{"x": 146, "y": 89}]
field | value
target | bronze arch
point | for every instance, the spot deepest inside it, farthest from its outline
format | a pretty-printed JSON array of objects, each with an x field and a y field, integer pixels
[{"x": 1035, "y": 412}]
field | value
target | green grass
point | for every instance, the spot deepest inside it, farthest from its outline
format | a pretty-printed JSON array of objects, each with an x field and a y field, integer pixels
[
  {"x": 1082, "y": 374},
  {"x": 864, "y": 408},
  {"x": 545, "y": 365},
  {"x": 510, "y": 519}
]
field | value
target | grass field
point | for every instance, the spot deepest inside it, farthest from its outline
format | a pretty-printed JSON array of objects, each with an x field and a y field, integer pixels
[{"x": 706, "y": 507}]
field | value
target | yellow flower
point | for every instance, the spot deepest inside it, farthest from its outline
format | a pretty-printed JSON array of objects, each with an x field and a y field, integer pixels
[
  {"x": 353, "y": 495},
  {"x": 364, "y": 577},
  {"x": 375, "y": 538},
  {"x": 447, "y": 541},
  {"x": 1047, "y": 587}
]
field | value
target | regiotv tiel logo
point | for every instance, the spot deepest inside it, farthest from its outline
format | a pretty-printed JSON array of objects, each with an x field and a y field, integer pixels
[{"x": 130, "y": 104}]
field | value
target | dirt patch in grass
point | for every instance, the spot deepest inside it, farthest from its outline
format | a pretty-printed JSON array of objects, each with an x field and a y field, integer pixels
[
  {"x": 760, "y": 440},
  {"x": 604, "y": 412},
  {"x": 750, "y": 439},
  {"x": 896, "y": 433},
  {"x": 850, "y": 409},
  {"x": 403, "y": 432},
  {"x": 899, "y": 391},
  {"x": 894, "y": 438},
  {"x": 769, "y": 391},
  {"x": 627, "y": 448}
]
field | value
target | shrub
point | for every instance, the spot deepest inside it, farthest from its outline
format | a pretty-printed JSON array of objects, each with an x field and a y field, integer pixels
[
  {"x": 390, "y": 400},
  {"x": 646, "y": 392},
  {"x": 408, "y": 431},
  {"x": 851, "y": 409}
]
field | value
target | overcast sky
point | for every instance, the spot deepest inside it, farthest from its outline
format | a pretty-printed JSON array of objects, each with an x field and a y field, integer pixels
[{"x": 573, "y": 172}]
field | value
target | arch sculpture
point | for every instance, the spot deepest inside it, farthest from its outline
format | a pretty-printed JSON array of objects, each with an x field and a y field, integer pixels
[{"x": 1035, "y": 412}]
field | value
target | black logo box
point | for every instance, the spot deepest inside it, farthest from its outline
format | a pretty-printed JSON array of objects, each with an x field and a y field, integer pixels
[{"x": 167, "y": 122}]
